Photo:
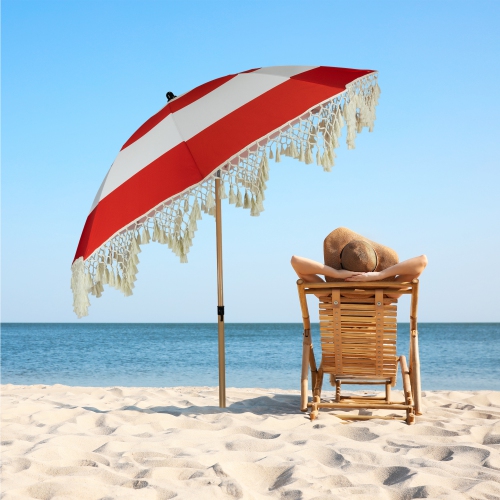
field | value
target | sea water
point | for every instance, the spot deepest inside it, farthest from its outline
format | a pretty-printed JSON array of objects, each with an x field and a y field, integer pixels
[{"x": 454, "y": 356}]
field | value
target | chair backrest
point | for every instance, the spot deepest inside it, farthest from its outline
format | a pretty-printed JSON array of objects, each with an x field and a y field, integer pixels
[
  {"x": 358, "y": 326},
  {"x": 358, "y": 329}
]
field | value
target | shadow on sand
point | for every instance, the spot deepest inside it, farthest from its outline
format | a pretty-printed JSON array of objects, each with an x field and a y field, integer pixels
[{"x": 280, "y": 404}]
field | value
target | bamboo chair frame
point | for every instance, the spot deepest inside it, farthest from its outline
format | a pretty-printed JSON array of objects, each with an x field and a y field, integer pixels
[{"x": 358, "y": 334}]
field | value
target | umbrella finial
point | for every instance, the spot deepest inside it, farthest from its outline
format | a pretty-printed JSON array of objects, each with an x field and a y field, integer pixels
[{"x": 170, "y": 96}]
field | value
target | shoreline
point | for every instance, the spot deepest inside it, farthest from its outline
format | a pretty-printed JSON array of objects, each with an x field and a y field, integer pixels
[{"x": 95, "y": 442}]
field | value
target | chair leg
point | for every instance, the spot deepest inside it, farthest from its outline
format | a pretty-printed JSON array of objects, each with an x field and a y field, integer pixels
[
  {"x": 410, "y": 415},
  {"x": 304, "y": 381},
  {"x": 338, "y": 385},
  {"x": 415, "y": 373},
  {"x": 314, "y": 412},
  {"x": 315, "y": 407},
  {"x": 388, "y": 392},
  {"x": 318, "y": 382}
]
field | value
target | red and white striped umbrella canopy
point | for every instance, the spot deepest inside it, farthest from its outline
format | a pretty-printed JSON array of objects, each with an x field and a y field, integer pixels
[{"x": 163, "y": 177}]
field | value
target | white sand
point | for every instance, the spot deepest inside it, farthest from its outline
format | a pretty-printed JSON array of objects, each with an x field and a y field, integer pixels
[{"x": 103, "y": 443}]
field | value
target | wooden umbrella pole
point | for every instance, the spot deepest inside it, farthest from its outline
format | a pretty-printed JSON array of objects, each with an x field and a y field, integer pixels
[{"x": 220, "y": 299}]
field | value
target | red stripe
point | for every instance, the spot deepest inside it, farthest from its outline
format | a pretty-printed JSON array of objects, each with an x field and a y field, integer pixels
[
  {"x": 333, "y": 77},
  {"x": 188, "y": 163},
  {"x": 179, "y": 103},
  {"x": 271, "y": 110},
  {"x": 168, "y": 175}
]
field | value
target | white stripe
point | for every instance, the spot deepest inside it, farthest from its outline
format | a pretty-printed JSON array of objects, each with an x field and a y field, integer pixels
[
  {"x": 191, "y": 120},
  {"x": 286, "y": 71},
  {"x": 162, "y": 138},
  {"x": 227, "y": 98}
]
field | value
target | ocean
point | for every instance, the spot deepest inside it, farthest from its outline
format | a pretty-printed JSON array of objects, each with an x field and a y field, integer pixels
[{"x": 454, "y": 356}]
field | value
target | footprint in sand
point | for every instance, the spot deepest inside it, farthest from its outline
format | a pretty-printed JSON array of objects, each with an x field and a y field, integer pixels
[
  {"x": 255, "y": 433},
  {"x": 356, "y": 433},
  {"x": 393, "y": 475},
  {"x": 253, "y": 445},
  {"x": 463, "y": 454}
]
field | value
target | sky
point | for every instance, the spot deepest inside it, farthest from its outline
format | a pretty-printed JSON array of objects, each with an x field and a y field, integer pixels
[{"x": 79, "y": 77}]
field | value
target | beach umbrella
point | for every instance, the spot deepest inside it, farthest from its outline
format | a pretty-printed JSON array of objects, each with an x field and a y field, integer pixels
[{"x": 213, "y": 142}]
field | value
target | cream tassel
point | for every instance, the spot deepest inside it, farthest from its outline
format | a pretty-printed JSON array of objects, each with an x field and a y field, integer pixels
[
  {"x": 183, "y": 250},
  {"x": 196, "y": 210},
  {"x": 283, "y": 150},
  {"x": 302, "y": 156},
  {"x": 162, "y": 237},
  {"x": 318, "y": 157},
  {"x": 349, "y": 113},
  {"x": 105, "y": 276},
  {"x": 155, "y": 231},
  {"x": 261, "y": 185},
  {"x": 338, "y": 124},
  {"x": 271, "y": 155},
  {"x": 239, "y": 199},
  {"x": 187, "y": 242},
  {"x": 312, "y": 136},
  {"x": 88, "y": 282},
  {"x": 308, "y": 157},
  {"x": 145, "y": 238},
  {"x": 247, "y": 203},
  {"x": 134, "y": 247},
  {"x": 186, "y": 205},
  {"x": 332, "y": 155},
  {"x": 278, "y": 156},
  {"x": 376, "y": 93},
  {"x": 259, "y": 201},
  {"x": 222, "y": 191},
  {"x": 254, "y": 212},
  {"x": 126, "y": 288},
  {"x": 178, "y": 221},
  {"x": 232, "y": 195},
  {"x": 111, "y": 278},
  {"x": 210, "y": 200},
  {"x": 175, "y": 245},
  {"x": 192, "y": 226},
  {"x": 99, "y": 271},
  {"x": 132, "y": 269},
  {"x": 81, "y": 301},
  {"x": 96, "y": 290},
  {"x": 324, "y": 161},
  {"x": 118, "y": 281},
  {"x": 264, "y": 169}
]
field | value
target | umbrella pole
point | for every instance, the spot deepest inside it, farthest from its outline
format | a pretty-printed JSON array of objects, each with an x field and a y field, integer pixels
[{"x": 220, "y": 299}]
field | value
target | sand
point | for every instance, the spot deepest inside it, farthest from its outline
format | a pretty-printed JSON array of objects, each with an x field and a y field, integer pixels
[{"x": 142, "y": 443}]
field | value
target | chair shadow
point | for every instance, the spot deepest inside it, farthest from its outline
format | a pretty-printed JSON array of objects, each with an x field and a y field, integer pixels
[{"x": 279, "y": 405}]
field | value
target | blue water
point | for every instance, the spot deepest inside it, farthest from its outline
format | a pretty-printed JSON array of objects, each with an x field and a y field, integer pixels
[{"x": 453, "y": 356}]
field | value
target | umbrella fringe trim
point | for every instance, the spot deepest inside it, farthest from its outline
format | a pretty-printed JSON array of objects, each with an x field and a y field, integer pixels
[{"x": 243, "y": 181}]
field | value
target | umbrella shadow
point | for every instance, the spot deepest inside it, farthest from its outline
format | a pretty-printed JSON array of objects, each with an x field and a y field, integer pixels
[{"x": 279, "y": 404}]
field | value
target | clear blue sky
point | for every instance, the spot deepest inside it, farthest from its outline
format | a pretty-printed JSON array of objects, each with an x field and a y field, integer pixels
[{"x": 79, "y": 77}]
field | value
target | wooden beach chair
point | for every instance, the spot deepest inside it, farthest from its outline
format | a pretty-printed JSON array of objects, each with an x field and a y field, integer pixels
[{"x": 358, "y": 330}]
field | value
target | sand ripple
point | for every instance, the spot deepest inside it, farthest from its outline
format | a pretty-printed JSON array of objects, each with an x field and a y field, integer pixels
[{"x": 141, "y": 443}]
